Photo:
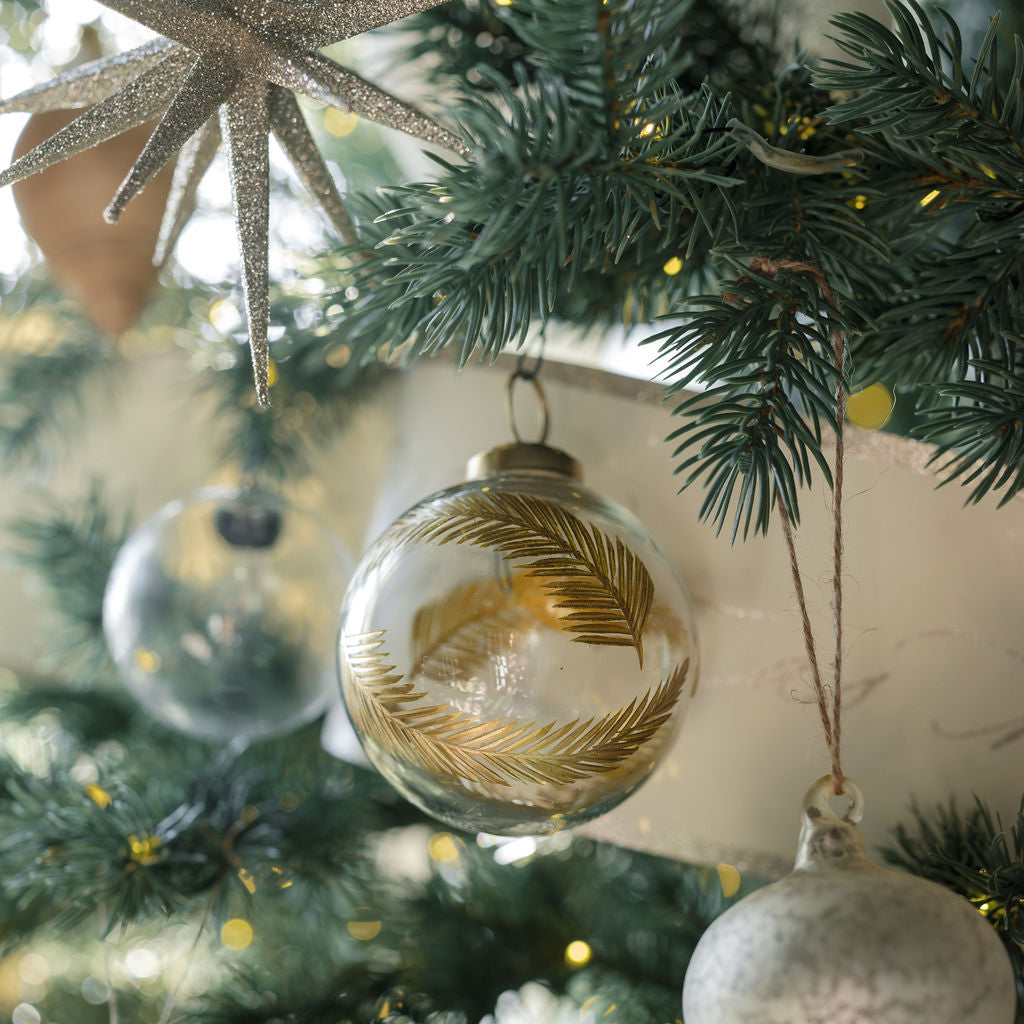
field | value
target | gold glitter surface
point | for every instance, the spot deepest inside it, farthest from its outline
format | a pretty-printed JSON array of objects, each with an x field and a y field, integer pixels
[{"x": 243, "y": 57}]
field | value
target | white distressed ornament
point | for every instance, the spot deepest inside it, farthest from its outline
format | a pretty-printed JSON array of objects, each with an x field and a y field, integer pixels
[{"x": 841, "y": 940}]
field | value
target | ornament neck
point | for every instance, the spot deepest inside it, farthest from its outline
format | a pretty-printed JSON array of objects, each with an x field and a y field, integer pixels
[
  {"x": 827, "y": 839},
  {"x": 523, "y": 458}
]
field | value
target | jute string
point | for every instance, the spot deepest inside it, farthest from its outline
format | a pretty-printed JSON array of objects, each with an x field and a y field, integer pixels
[{"x": 830, "y": 716}]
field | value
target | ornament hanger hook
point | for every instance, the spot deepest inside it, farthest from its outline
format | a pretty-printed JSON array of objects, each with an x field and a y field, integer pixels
[
  {"x": 542, "y": 413},
  {"x": 816, "y": 801}
]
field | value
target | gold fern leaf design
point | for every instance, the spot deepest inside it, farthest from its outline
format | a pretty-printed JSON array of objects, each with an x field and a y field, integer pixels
[
  {"x": 605, "y": 589},
  {"x": 497, "y": 751},
  {"x": 475, "y": 622}
]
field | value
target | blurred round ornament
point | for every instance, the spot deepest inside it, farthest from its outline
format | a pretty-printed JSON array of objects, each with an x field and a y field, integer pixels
[
  {"x": 516, "y": 652},
  {"x": 841, "y": 940},
  {"x": 220, "y": 612}
]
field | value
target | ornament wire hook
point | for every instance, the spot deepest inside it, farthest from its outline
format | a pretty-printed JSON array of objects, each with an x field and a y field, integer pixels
[{"x": 543, "y": 416}]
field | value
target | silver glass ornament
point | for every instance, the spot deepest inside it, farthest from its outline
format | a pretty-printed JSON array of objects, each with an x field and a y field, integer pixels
[
  {"x": 841, "y": 940},
  {"x": 220, "y": 613}
]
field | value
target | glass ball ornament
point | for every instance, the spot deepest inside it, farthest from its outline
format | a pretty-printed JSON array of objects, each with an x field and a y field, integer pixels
[
  {"x": 516, "y": 652},
  {"x": 842, "y": 939},
  {"x": 220, "y": 612}
]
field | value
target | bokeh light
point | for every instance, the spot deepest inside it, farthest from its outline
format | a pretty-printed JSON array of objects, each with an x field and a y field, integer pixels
[{"x": 236, "y": 933}]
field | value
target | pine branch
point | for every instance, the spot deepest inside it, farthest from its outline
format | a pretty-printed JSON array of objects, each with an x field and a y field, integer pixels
[
  {"x": 979, "y": 425},
  {"x": 154, "y": 837},
  {"x": 72, "y": 548},
  {"x": 975, "y": 855},
  {"x": 915, "y": 86},
  {"x": 601, "y": 171},
  {"x": 40, "y": 397},
  {"x": 573, "y": 211},
  {"x": 317, "y": 385},
  {"x": 756, "y": 432}
]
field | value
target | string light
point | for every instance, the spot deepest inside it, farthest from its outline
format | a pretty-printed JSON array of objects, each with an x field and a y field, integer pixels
[
  {"x": 364, "y": 931},
  {"x": 144, "y": 850},
  {"x": 578, "y": 953},
  {"x": 236, "y": 933},
  {"x": 673, "y": 266},
  {"x": 99, "y": 796},
  {"x": 443, "y": 848},
  {"x": 339, "y": 123},
  {"x": 931, "y": 197},
  {"x": 870, "y": 408},
  {"x": 729, "y": 878},
  {"x": 148, "y": 661}
]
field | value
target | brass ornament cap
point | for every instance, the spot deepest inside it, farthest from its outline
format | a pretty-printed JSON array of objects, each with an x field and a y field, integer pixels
[
  {"x": 521, "y": 457},
  {"x": 841, "y": 940}
]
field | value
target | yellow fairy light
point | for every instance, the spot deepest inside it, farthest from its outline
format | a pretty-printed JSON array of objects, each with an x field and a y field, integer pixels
[
  {"x": 224, "y": 315},
  {"x": 144, "y": 850},
  {"x": 148, "y": 661},
  {"x": 245, "y": 877},
  {"x": 870, "y": 407},
  {"x": 340, "y": 124},
  {"x": 364, "y": 931},
  {"x": 443, "y": 848},
  {"x": 931, "y": 197},
  {"x": 807, "y": 128},
  {"x": 648, "y": 129},
  {"x": 283, "y": 881},
  {"x": 338, "y": 356},
  {"x": 99, "y": 796},
  {"x": 578, "y": 953},
  {"x": 673, "y": 266},
  {"x": 729, "y": 878},
  {"x": 987, "y": 171},
  {"x": 859, "y": 202},
  {"x": 503, "y": 3},
  {"x": 236, "y": 933}
]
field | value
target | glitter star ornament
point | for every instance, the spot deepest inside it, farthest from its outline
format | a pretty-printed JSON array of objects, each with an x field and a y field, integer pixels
[{"x": 241, "y": 60}]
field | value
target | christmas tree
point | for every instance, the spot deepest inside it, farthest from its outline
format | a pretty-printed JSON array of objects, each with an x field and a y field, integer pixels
[{"x": 782, "y": 230}]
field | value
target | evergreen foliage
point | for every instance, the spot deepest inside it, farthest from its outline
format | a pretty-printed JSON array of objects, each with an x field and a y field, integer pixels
[
  {"x": 603, "y": 157},
  {"x": 974, "y": 854},
  {"x": 595, "y": 166}
]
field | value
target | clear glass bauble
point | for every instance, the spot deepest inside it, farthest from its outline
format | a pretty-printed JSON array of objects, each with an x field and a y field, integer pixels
[
  {"x": 220, "y": 612},
  {"x": 842, "y": 939},
  {"x": 516, "y": 653}
]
